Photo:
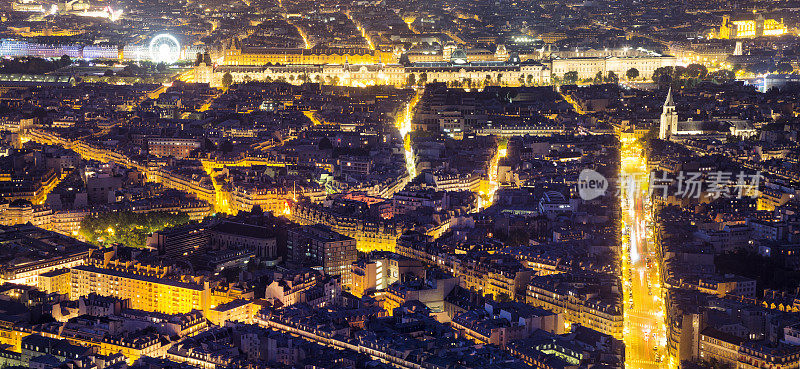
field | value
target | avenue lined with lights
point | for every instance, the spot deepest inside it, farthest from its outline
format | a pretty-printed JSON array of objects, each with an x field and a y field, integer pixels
[{"x": 644, "y": 333}]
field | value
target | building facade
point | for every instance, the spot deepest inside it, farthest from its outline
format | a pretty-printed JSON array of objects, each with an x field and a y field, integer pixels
[
  {"x": 318, "y": 244},
  {"x": 144, "y": 287}
]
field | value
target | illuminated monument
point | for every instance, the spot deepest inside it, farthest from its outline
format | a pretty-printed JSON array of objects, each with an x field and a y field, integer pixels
[{"x": 749, "y": 28}]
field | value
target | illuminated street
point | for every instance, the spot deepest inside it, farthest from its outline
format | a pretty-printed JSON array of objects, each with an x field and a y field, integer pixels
[
  {"x": 303, "y": 34},
  {"x": 644, "y": 329},
  {"x": 362, "y": 30},
  {"x": 220, "y": 202},
  {"x": 490, "y": 185},
  {"x": 403, "y": 124}
]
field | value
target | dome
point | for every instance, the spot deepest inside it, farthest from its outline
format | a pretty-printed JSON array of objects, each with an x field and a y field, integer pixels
[{"x": 458, "y": 56}]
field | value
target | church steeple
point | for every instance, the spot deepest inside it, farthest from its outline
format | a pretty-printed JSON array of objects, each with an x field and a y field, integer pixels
[
  {"x": 668, "y": 101},
  {"x": 669, "y": 118}
]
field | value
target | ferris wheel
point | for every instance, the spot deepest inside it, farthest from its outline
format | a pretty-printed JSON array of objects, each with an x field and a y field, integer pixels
[{"x": 164, "y": 48}]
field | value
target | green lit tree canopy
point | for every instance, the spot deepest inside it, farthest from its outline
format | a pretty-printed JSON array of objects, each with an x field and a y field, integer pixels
[{"x": 127, "y": 228}]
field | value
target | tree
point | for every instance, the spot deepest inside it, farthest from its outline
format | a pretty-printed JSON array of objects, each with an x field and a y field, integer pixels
[
  {"x": 612, "y": 78},
  {"x": 662, "y": 71},
  {"x": 404, "y": 60},
  {"x": 499, "y": 78},
  {"x": 65, "y": 60},
  {"x": 632, "y": 74},
  {"x": 127, "y": 228},
  {"x": 664, "y": 81},
  {"x": 521, "y": 80},
  {"x": 227, "y": 80},
  {"x": 571, "y": 77},
  {"x": 28, "y": 65},
  {"x": 696, "y": 71},
  {"x": 760, "y": 67},
  {"x": 423, "y": 78},
  {"x": 108, "y": 73},
  {"x": 529, "y": 79},
  {"x": 131, "y": 70},
  {"x": 161, "y": 67},
  {"x": 721, "y": 76},
  {"x": 411, "y": 81},
  {"x": 679, "y": 72},
  {"x": 598, "y": 78}
]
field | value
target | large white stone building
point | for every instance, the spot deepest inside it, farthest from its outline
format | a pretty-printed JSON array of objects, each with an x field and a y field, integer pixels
[
  {"x": 451, "y": 65},
  {"x": 473, "y": 74},
  {"x": 588, "y": 67}
]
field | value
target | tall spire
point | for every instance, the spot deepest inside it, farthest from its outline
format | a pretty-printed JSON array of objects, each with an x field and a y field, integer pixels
[
  {"x": 669, "y": 118},
  {"x": 669, "y": 101}
]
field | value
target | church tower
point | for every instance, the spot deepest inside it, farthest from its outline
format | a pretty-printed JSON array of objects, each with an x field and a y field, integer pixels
[{"x": 669, "y": 118}]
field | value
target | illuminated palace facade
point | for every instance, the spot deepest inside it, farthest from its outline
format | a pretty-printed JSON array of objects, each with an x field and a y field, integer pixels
[
  {"x": 476, "y": 73},
  {"x": 589, "y": 62},
  {"x": 750, "y": 28},
  {"x": 236, "y": 54},
  {"x": 363, "y": 67}
]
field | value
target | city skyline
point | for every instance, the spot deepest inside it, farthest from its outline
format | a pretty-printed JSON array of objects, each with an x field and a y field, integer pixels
[{"x": 400, "y": 184}]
